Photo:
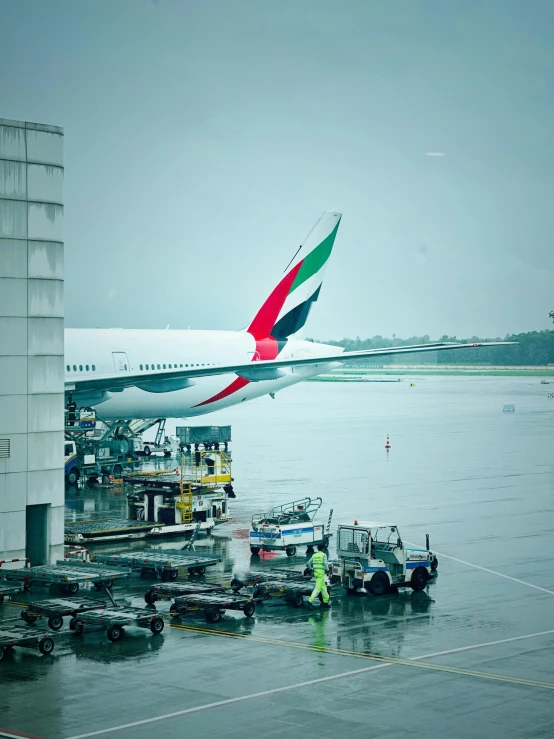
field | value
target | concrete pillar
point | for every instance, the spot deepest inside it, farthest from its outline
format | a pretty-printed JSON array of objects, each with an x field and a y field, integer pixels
[{"x": 31, "y": 341}]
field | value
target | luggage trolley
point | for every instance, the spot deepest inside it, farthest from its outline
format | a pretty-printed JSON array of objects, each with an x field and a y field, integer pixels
[
  {"x": 253, "y": 577},
  {"x": 69, "y": 576},
  {"x": 6, "y": 589},
  {"x": 290, "y": 591},
  {"x": 12, "y": 635},
  {"x": 170, "y": 591},
  {"x": 212, "y": 605},
  {"x": 55, "y": 610},
  {"x": 115, "y": 619},
  {"x": 165, "y": 563}
]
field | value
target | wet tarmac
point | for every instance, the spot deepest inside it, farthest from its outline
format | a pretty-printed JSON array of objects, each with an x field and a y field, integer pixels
[{"x": 472, "y": 656}]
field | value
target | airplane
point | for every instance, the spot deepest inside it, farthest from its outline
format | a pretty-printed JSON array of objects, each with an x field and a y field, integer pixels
[{"x": 134, "y": 373}]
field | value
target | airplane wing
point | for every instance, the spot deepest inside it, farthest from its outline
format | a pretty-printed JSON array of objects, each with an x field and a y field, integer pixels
[{"x": 253, "y": 371}]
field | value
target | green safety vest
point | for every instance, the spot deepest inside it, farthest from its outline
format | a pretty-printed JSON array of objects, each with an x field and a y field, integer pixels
[{"x": 318, "y": 563}]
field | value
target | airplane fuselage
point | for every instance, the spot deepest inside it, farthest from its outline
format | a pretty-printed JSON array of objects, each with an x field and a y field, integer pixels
[{"x": 91, "y": 353}]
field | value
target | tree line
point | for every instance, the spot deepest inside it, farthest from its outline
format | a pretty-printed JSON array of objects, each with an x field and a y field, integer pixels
[{"x": 533, "y": 348}]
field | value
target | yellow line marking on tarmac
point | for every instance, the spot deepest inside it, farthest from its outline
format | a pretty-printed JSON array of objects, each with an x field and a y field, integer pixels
[{"x": 374, "y": 657}]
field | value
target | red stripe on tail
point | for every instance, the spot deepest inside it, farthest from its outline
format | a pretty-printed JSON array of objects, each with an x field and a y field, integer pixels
[{"x": 265, "y": 318}]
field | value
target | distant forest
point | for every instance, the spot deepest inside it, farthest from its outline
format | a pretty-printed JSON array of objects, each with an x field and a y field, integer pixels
[{"x": 533, "y": 348}]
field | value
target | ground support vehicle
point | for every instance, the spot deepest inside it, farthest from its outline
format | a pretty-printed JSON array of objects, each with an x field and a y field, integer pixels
[
  {"x": 12, "y": 635},
  {"x": 6, "y": 589},
  {"x": 286, "y": 527},
  {"x": 169, "y": 591},
  {"x": 68, "y": 576},
  {"x": 372, "y": 556},
  {"x": 115, "y": 619},
  {"x": 55, "y": 610},
  {"x": 166, "y": 563},
  {"x": 213, "y": 605},
  {"x": 94, "y": 459}
]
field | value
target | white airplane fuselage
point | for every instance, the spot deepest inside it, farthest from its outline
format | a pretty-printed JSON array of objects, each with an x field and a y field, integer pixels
[{"x": 91, "y": 353}]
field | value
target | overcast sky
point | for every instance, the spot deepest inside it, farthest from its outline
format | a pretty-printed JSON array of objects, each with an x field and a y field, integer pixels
[{"x": 203, "y": 138}]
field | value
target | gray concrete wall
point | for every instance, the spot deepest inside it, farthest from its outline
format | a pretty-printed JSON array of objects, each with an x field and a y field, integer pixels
[{"x": 31, "y": 333}]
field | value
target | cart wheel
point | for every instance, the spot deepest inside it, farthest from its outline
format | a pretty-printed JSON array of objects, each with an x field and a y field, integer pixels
[
  {"x": 28, "y": 618},
  {"x": 379, "y": 584},
  {"x": 290, "y": 551},
  {"x": 298, "y": 600},
  {"x": 213, "y": 615},
  {"x": 79, "y": 627},
  {"x": 157, "y": 625},
  {"x": 114, "y": 632},
  {"x": 249, "y": 610},
  {"x": 419, "y": 579},
  {"x": 173, "y": 574},
  {"x": 150, "y": 597},
  {"x": 174, "y": 611},
  {"x": 55, "y": 623},
  {"x": 255, "y": 551},
  {"x": 46, "y": 645},
  {"x": 434, "y": 565},
  {"x": 164, "y": 575},
  {"x": 70, "y": 588},
  {"x": 73, "y": 624}
]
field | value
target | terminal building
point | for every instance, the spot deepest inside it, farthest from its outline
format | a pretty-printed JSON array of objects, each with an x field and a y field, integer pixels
[{"x": 31, "y": 342}]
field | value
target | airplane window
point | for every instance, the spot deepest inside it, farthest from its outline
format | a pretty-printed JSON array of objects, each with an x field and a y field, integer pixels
[
  {"x": 181, "y": 365},
  {"x": 68, "y": 367},
  {"x": 140, "y": 365},
  {"x": 159, "y": 367},
  {"x": 94, "y": 368},
  {"x": 169, "y": 366},
  {"x": 74, "y": 368},
  {"x": 186, "y": 365},
  {"x": 86, "y": 367},
  {"x": 165, "y": 367},
  {"x": 80, "y": 368}
]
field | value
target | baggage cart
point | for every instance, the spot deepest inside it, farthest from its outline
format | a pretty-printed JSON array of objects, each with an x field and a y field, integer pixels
[
  {"x": 288, "y": 526},
  {"x": 290, "y": 591},
  {"x": 212, "y": 605},
  {"x": 169, "y": 591},
  {"x": 164, "y": 563},
  {"x": 253, "y": 577},
  {"x": 68, "y": 576},
  {"x": 7, "y": 589},
  {"x": 12, "y": 635},
  {"x": 55, "y": 610},
  {"x": 115, "y": 619}
]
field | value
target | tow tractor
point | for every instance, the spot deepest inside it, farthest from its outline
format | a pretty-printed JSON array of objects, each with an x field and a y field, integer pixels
[
  {"x": 373, "y": 557},
  {"x": 288, "y": 526}
]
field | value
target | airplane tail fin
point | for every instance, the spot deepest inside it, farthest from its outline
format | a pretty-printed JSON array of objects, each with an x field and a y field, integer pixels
[{"x": 286, "y": 309}]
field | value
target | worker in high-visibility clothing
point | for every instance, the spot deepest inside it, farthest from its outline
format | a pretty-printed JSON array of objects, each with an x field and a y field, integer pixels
[{"x": 318, "y": 563}]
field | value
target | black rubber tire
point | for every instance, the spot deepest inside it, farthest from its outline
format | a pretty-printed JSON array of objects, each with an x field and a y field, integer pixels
[
  {"x": 73, "y": 476},
  {"x": 72, "y": 588},
  {"x": 379, "y": 584},
  {"x": 150, "y": 597},
  {"x": 419, "y": 579},
  {"x": 167, "y": 453},
  {"x": 46, "y": 645},
  {"x": 55, "y": 623},
  {"x": 236, "y": 584},
  {"x": 174, "y": 611},
  {"x": 297, "y": 600},
  {"x": 117, "y": 470},
  {"x": 173, "y": 574},
  {"x": 255, "y": 551},
  {"x": 290, "y": 551},
  {"x": 157, "y": 625},
  {"x": 1, "y": 599},
  {"x": 213, "y": 615},
  {"x": 79, "y": 627},
  {"x": 147, "y": 451},
  {"x": 249, "y": 610},
  {"x": 114, "y": 633},
  {"x": 72, "y": 624},
  {"x": 28, "y": 618},
  {"x": 434, "y": 564},
  {"x": 164, "y": 575},
  {"x": 2, "y": 653}
]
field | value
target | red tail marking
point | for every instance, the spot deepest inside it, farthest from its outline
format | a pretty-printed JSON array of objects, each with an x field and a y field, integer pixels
[{"x": 266, "y": 317}]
